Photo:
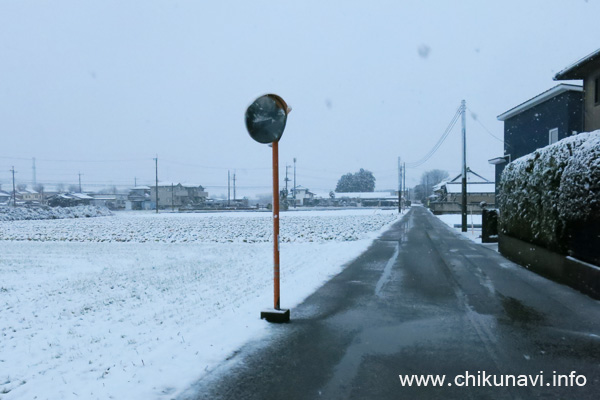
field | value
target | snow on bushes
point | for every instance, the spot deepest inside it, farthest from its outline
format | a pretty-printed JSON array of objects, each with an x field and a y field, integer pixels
[
  {"x": 579, "y": 199},
  {"x": 8, "y": 213},
  {"x": 543, "y": 195}
]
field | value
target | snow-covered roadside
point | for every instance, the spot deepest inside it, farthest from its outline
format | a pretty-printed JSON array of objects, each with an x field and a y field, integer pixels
[
  {"x": 472, "y": 233},
  {"x": 145, "y": 320}
]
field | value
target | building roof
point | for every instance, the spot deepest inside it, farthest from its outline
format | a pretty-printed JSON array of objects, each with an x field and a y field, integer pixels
[
  {"x": 140, "y": 188},
  {"x": 81, "y": 196},
  {"x": 162, "y": 184},
  {"x": 472, "y": 187},
  {"x": 581, "y": 68},
  {"x": 471, "y": 177},
  {"x": 105, "y": 197},
  {"x": 540, "y": 98},
  {"x": 475, "y": 184}
]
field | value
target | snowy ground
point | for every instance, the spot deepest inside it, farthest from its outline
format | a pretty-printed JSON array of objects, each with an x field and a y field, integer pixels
[
  {"x": 472, "y": 233},
  {"x": 8, "y": 213},
  {"x": 139, "y": 306}
]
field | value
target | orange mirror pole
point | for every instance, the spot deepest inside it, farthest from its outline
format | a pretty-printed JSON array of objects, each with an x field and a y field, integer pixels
[{"x": 276, "y": 298}]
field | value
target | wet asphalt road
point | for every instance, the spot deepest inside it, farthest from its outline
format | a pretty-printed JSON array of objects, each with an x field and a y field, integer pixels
[{"x": 421, "y": 300}]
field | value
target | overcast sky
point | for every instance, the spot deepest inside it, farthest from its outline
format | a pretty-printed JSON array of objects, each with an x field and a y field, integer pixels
[{"x": 102, "y": 87}]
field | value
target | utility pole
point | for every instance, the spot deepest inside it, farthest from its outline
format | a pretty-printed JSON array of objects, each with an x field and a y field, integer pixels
[
  {"x": 286, "y": 178},
  {"x": 228, "y": 188},
  {"x": 294, "y": 182},
  {"x": 464, "y": 167},
  {"x": 156, "y": 167},
  {"x": 404, "y": 183},
  {"x": 14, "y": 190},
  {"x": 234, "y": 186},
  {"x": 79, "y": 173},
  {"x": 172, "y": 196},
  {"x": 34, "y": 177},
  {"x": 135, "y": 182},
  {"x": 399, "y": 188}
]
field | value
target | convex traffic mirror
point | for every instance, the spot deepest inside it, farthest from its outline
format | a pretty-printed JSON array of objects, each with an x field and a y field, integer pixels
[{"x": 266, "y": 118}]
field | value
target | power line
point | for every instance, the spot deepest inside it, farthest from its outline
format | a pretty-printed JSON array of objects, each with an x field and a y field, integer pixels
[
  {"x": 474, "y": 116},
  {"x": 73, "y": 161},
  {"x": 211, "y": 167},
  {"x": 439, "y": 142}
]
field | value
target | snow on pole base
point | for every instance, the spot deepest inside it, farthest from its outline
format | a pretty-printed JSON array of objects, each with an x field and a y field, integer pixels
[{"x": 273, "y": 315}]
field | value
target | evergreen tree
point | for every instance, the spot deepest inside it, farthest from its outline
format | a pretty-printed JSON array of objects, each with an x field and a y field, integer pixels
[{"x": 361, "y": 181}]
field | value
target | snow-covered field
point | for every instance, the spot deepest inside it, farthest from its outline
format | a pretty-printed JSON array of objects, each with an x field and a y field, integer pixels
[
  {"x": 472, "y": 233},
  {"x": 8, "y": 213},
  {"x": 139, "y": 306}
]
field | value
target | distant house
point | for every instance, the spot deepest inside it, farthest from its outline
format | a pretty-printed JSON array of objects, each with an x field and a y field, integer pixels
[
  {"x": 367, "y": 199},
  {"x": 178, "y": 195},
  {"x": 545, "y": 119},
  {"x": 139, "y": 198},
  {"x": 109, "y": 201},
  {"x": 303, "y": 196},
  {"x": 448, "y": 195},
  {"x": 30, "y": 196},
  {"x": 196, "y": 195},
  {"x": 69, "y": 200},
  {"x": 5, "y": 197},
  {"x": 588, "y": 70}
]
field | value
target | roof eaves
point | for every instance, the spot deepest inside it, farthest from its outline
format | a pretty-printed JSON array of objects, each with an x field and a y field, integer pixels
[
  {"x": 540, "y": 98},
  {"x": 573, "y": 70}
]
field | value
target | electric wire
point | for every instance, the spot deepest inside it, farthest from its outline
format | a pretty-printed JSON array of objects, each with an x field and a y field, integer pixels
[
  {"x": 439, "y": 142},
  {"x": 485, "y": 128}
]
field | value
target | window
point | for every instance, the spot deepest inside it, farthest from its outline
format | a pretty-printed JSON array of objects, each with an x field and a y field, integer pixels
[
  {"x": 553, "y": 136},
  {"x": 597, "y": 91}
]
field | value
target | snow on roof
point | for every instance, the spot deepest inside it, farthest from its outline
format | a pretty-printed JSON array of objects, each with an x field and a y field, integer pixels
[
  {"x": 472, "y": 176},
  {"x": 140, "y": 188},
  {"x": 81, "y": 196},
  {"x": 579, "y": 69},
  {"x": 540, "y": 98},
  {"x": 473, "y": 187}
]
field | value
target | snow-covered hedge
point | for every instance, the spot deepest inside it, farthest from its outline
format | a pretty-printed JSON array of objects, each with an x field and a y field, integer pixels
[
  {"x": 8, "y": 213},
  {"x": 550, "y": 196}
]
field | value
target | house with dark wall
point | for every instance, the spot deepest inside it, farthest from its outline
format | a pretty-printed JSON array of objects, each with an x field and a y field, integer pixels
[
  {"x": 545, "y": 119},
  {"x": 587, "y": 69}
]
